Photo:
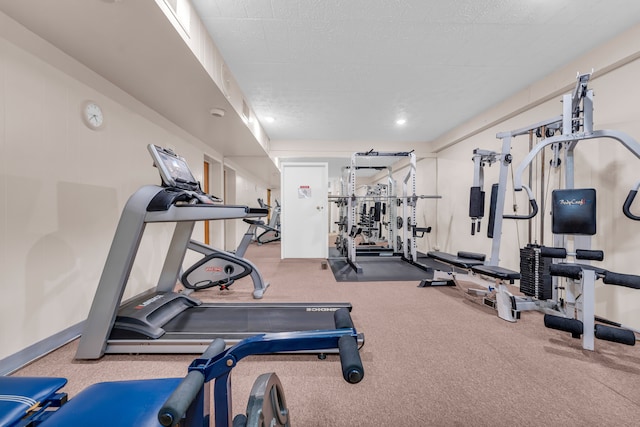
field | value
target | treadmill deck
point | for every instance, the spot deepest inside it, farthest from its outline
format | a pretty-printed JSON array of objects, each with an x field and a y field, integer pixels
[{"x": 193, "y": 330}]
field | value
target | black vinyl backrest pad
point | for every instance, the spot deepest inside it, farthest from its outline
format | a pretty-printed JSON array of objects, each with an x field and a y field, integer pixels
[
  {"x": 456, "y": 261},
  {"x": 496, "y": 272},
  {"x": 492, "y": 210},
  {"x": 471, "y": 255},
  {"x": 574, "y": 211},
  {"x": 476, "y": 203}
]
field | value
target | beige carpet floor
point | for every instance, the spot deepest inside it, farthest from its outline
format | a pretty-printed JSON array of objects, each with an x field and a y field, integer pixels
[{"x": 433, "y": 357}]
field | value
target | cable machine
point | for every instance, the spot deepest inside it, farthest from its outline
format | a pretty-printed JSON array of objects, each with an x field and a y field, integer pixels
[{"x": 574, "y": 125}]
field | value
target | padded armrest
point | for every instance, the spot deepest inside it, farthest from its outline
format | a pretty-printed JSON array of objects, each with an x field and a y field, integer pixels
[
  {"x": 496, "y": 272},
  {"x": 119, "y": 403},
  {"x": 454, "y": 260},
  {"x": 19, "y": 394}
]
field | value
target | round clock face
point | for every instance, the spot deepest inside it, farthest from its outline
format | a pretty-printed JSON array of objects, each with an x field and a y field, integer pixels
[{"x": 92, "y": 115}]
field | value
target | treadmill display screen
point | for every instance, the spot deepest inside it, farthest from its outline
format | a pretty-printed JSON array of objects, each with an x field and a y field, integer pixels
[{"x": 173, "y": 169}]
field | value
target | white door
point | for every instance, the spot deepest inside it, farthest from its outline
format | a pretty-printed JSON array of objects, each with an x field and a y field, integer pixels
[{"x": 304, "y": 217}]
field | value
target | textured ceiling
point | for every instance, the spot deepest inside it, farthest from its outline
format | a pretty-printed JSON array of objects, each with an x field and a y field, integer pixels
[{"x": 346, "y": 69}]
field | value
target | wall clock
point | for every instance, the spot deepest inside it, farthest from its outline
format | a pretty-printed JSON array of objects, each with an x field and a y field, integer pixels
[{"x": 92, "y": 115}]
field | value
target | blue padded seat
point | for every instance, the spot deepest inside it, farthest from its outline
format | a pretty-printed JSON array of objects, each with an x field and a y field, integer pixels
[
  {"x": 119, "y": 403},
  {"x": 496, "y": 272},
  {"x": 19, "y": 394}
]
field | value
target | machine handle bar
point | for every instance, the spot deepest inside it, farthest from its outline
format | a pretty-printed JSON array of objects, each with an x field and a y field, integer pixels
[
  {"x": 534, "y": 212},
  {"x": 532, "y": 202},
  {"x": 626, "y": 208}
]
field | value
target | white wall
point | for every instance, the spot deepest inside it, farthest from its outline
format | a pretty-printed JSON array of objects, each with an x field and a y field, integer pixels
[
  {"x": 63, "y": 186},
  {"x": 601, "y": 164}
]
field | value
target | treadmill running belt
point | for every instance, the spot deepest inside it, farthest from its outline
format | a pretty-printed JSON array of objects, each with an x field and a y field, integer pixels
[{"x": 255, "y": 320}]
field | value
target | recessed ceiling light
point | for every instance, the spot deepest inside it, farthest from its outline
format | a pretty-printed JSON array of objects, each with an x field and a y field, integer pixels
[
  {"x": 400, "y": 122},
  {"x": 269, "y": 119}
]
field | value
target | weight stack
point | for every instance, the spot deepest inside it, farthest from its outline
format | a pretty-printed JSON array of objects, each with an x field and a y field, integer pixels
[{"x": 535, "y": 280}]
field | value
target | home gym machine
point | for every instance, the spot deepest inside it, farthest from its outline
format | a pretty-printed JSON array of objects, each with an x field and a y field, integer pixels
[
  {"x": 364, "y": 216},
  {"x": 161, "y": 320},
  {"x": 574, "y": 125},
  {"x": 35, "y": 401},
  {"x": 562, "y": 134}
]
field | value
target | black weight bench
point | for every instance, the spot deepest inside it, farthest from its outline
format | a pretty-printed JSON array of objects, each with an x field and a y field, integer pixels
[
  {"x": 496, "y": 272},
  {"x": 504, "y": 303},
  {"x": 464, "y": 260}
]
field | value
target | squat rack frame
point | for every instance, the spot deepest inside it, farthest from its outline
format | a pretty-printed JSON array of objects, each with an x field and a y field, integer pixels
[{"x": 403, "y": 240}]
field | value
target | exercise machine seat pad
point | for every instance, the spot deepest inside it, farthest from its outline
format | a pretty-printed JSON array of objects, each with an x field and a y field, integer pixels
[
  {"x": 120, "y": 403},
  {"x": 18, "y": 394},
  {"x": 496, "y": 272},
  {"x": 454, "y": 260}
]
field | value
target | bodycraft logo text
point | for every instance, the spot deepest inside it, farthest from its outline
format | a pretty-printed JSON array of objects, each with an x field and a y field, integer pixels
[{"x": 573, "y": 202}]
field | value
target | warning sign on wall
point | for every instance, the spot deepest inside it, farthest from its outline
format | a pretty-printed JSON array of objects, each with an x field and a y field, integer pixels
[{"x": 304, "y": 192}]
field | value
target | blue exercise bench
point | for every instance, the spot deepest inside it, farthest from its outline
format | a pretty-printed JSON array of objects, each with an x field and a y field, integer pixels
[{"x": 27, "y": 402}]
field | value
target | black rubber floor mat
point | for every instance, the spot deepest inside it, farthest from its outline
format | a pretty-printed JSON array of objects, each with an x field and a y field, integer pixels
[{"x": 377, "y": 269}]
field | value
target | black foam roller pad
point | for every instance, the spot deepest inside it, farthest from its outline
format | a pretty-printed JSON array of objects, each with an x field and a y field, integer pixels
[
  {"x": 609, "y": 333},
  {"x": 570, "y": 271},
  {"x": 181, "y": 398},
  {"x": 216, "y": 347},
  {"x": 548, "y": 252},
  {"x": 352, "y": 369},
  {"x": 573, "y": 326},
  {"x": 342, "y": 319},
  {"x": 619, "y": 279},
  {"x": 589, "y": 254}
]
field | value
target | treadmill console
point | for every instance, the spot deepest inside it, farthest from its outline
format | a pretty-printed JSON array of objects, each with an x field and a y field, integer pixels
[
  {"x": 173, "y": 169},
  {"x": 181, "y": 187}
]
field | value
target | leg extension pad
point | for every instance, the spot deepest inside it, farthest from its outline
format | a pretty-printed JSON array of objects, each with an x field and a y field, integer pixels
[{"x": 573, "y": 326}]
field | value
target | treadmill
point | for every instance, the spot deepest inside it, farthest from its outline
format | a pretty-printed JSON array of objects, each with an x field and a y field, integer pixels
[{"x": 161, "y": 320}]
